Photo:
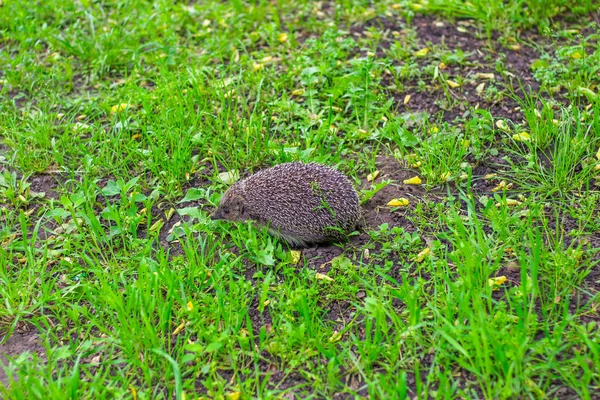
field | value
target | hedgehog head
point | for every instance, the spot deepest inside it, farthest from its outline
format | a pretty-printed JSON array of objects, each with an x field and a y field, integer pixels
[{"x": 232, "y": 205}]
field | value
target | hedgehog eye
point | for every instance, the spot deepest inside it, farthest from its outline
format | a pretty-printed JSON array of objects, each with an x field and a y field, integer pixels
[{"x": 226, "y": 210}]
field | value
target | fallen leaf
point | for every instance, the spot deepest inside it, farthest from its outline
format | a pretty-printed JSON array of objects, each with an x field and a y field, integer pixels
[
  {"x": 323, "y": 277},
  {"x": 282, "y": 38},
  {"x": 444, "y": 177},
  {"x": 228, "y": 177},
  {"x": 489, "y": 176},
  {"x": 598, "y": 154},
  {"x": 485, "y": 75},
  {"x": 399, "y": 202},
  {"x": 180, "y": 328},
  {"x": 509, "y": 203},
  {"x": 335, "y": 337},
  {"x": 415, "y": 180},
  {"x": 298, "y": 92},
  {"x": 133, "y": 392},
  {"x": 496, "y": 281},
  {"x": 479, "y": 88},
  {"x": 372, "y": 176},
  {"x": 190, "y": 306},
  {"x": 421, "y": 53},
  {"x": 407, "y": 99},
  {"x": 421, "y": 256},
  {"x": 257, "y": 66},
  {"x": 522, "y": 137},
  {"x": 452, "y": 84},
  {"x": 500, "y": 124},
  {"x": 234, "y": 396},
  {"x": 266, "y": 303},
  {"x": 296, "y": 255},
  {"x": 502, "y": 186}
]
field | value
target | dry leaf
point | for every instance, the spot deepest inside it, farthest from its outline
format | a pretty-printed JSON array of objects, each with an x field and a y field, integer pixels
[
  {"x": 444, "y": 177},
  {"x": 500, "y": 124},
  {"x": 452, "y": 84},
  {"x": 257, "y": 66},
  {"x": 282, "y": 38},
  {"x": 502, "y": 186},
  {"x": 415, "y": 180},
  {"x": 372, "y": 176},
  {"x": 323, "y": 277},
  {"x": 479, "y": 88},
  {"x": 489, "y": 176},
  {"x": 399, "y": 202},
  {"x": 509, "y": 203},
  {"x": 180, "y": 328},
  {"x": 598, "y": 154},
  {"x": 484, "y": 75},
  {"x": 407, "y": 99}
]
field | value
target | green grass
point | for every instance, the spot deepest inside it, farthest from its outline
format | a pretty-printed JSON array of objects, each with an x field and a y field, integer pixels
[{"x": 119, "y": 120}]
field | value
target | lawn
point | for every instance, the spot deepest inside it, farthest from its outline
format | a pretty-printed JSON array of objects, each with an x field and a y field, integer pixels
[{"x": 470, "y": 129}]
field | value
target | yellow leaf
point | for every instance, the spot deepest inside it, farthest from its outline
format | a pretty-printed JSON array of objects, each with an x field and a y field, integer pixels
[
  {"x": 502, "y": 186},
  {"x": 323, "y": 277},
  {"x": 514, "y": 47},
  {"x": 118, "y": 108},
  {"x": 444, "y": 177},
  {"x": 484, "y": 75},
  {"x": 282, "y": 38},
  {"x": 266, "y": 59},
  {"x": 416, "y": 165},
  {"x": 407, "y": 99},
  {"x": 421, "y": 256},
  {"x": 257, "y": 66},
  {"x": 577, "y": 54},
  {"x": 496, "y": 281},
  {"x": 370, "y": 54},
  {"x": 335, "y": 337},
  {"x": 421, "y": 53},
  {"x": 522, "y": 137},
  {"x": 509, "y": 203},
  {"x": 190, "y": 306},
  {"x": 371, "y": 177},
  {"x": 399, "y": 202},
  {"x": 180, "y": 328},
  {"x": 298, "y": 92},
  {"x": 415, "y": 180},
  {"x": 296, "y": 255},
  {"x": 479, "y": 88},
  {"x": 133, "y": 392},
  {"x": 234, "y": 396},
  {"x": 500, "y": 124},
  {"x": 452, "y": 84},
  {"x": 266, "y": 303},
  {"x": 489, "y": 176},
  {"x": 598, "y": 154}
]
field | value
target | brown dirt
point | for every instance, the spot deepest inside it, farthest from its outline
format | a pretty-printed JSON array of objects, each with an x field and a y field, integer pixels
[{"x": 26, "y": 340}]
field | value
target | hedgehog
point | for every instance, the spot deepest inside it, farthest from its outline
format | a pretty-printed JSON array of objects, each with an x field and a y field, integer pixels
[{"x": 300, "y": 203}]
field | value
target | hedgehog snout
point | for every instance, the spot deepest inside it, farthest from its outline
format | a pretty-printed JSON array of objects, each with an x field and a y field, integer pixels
[{"x": 216, "y": 215}]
